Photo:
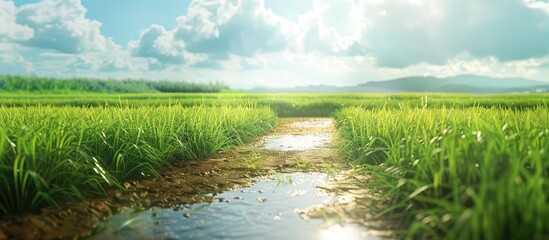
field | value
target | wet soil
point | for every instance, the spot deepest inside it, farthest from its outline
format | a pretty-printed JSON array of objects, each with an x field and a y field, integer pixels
[
  {"x": 196, "y": 181},
  {"x": 273, "y": 203},
  {"x": 358, "y": 204}
]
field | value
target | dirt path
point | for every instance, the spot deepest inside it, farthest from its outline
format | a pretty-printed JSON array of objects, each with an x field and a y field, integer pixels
[{"x": 188, "y": 182}]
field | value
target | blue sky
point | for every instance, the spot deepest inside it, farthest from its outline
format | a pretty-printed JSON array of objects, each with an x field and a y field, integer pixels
[{"x": 247, "y": 43}]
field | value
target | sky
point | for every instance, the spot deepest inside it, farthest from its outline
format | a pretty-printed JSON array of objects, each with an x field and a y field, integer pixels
[{"x": 248, "y": 43}]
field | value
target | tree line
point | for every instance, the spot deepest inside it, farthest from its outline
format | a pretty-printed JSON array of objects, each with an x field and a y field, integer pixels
[{"x": 10, "y": 83}]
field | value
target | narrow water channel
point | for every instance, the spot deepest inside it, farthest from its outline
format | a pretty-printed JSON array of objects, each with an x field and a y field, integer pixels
[{"x": 272, "y": 208}]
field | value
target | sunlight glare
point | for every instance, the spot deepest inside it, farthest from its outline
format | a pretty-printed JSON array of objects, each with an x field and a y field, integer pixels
[{"x": 337, "y": 232}]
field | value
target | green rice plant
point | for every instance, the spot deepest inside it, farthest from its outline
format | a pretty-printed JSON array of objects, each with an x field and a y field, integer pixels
[
  {"x": 283, "y": 104},
  {"x": 474, "y": 173},
  {"x": 27, "y": 183},
  {"x": 254, "y": 161},
  {"x": 52, "y": 154}
]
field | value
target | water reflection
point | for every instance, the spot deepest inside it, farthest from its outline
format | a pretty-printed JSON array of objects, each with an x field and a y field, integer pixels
[
  {"x": 338, "y": 232},
  {"x": 268, "y": 210},
  {"x": 313, "y": 124},
  {"x": 296, "y": 142}
]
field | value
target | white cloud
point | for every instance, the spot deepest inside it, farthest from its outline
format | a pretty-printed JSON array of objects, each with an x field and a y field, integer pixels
[
  {"x": 433, "y": 31},
  {"x": 12, "y": 62},
  {"x": 62, "y": 25},
  {"x": 245, "y": 43},
  {"x": 102, "y": 62},
  {"x": 467, "y": 64},
  {"x": 332, "y": 27},
  {"x": 85, "y": 62},
  {"x": 241, "y": 27},
  {"x": 157, "y": 43},
  {"x": 215, "y": 31},
  {"x": 116, "y": 63},
  {"x": 15, "y": 63},
  {"x": 10, "y": 30},
  {"x": 538, "y": 4}
]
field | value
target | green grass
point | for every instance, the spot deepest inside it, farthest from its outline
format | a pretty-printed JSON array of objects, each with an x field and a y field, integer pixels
[
  {"x": 284, "y": 105},
  {"x": 449, "y": 165},
  {"x": 48, "y": 154},
  {"x": 474, "y": 173},
  {"x": 254, "y": 162}
]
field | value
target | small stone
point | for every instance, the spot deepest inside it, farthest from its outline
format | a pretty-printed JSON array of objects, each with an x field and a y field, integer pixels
[
  {"x": 223, "y": 200},
  {"x": 277, "y": 216},
  {"x": 261, "y": 200},
  {"x": 239, "y": 198},
  {"x": 187, "y": 215}
]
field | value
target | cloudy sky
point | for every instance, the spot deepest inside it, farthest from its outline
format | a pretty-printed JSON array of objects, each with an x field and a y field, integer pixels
[{"x": 247, "y": 43}]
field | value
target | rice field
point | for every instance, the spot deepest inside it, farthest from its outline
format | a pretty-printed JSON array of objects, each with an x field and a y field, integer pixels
[
  {"x": 284, "y": 105},
  {"x": 48, "y": 154},
  {"x": 474, "y": 173},
  {"x": 449, "y": 166}
]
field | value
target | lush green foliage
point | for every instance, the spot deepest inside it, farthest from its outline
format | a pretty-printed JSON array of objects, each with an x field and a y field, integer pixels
[
  {"x": 475, "y": 173},
  {"x": 455, "y": 166},
  {"x": 53, "y": 85},
  {"x": 285, "y": 105},
  {"x": 48, "y": 153}
]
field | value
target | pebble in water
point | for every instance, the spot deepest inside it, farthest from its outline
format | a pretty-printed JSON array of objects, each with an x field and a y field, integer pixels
[
  {"x": 277, "y": 216},
  {"x": 176, "y": 208},
  {"x": 223, "y": 200},
  {"x": 187, "y": 215}
]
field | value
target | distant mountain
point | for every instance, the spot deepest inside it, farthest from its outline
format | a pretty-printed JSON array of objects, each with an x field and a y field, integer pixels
[
  {"x": 487, "y": 82},
  {"x": 456, "y": 84}
]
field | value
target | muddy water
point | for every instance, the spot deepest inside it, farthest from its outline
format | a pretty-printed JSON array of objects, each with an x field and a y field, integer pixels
[
  {"x": 313, "y": 124},
  {"x": 296, "y": 142},
  {"x": 271, "y": 209},
  {"x": 292, "y": 142}
]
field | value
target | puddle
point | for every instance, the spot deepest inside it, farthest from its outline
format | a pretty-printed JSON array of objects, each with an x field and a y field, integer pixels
[
  {"x": 270, "y": 209},
  {"x": 313, "y": 124},
  {"x": 296, "y": 142}
]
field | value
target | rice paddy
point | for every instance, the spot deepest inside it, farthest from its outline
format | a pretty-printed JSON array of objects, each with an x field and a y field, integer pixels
[
  {"x": 448, "y": 166},
  {"x": 284, "y": 105},
  {"x": 476, "y": 173},
  {"x": 53, "y": 153}
]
